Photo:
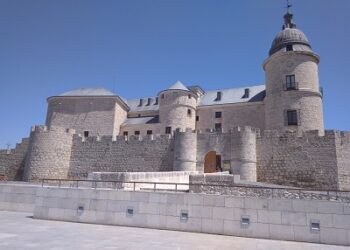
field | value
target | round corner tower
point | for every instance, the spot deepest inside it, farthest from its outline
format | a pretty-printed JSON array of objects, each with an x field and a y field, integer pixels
[
  {"x": 177, "y": 108},
  {"x": 293, "y": 95}
]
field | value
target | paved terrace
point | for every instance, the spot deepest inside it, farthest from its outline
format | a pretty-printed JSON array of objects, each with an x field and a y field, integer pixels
[{"x": 21, "y": 231}]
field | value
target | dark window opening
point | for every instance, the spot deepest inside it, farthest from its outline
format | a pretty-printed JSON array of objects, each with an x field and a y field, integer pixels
[
  {"x": 218, "y": 96},
  {"x": 189, "y": 112},
  {"x": 139, "y": 115},
  {"x": 218, "y": 163},
  {"x": 189, "y": 96},
  {"x": 162, "y": 96},
  {"x": 289, "y": 47},
  {"x": 218, "y": 127},
  {"x": 246, "y": 93},
  {"x": 149, "y": 101},
  {"x": 168, "y": 130},
  {"x": 290, "y": 82},
  {"x": 125, "y": 133},
  {"x": 149, "y": 132},
  {"x": 156, "y": 102},
  {"x": 137, "y": 132},
  {"x": 197, "y": 118},
  {"x": 218, "y": 114},
  {"x": 141, "y": 102},
  {"x": 292, "y": 117},
  {"x": 86, "y": 133}
]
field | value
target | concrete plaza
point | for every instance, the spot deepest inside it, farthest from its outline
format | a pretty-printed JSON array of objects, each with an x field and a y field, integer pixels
[{"x": 21, "y": 231}]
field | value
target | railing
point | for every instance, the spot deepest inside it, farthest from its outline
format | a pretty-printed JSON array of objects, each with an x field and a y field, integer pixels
[{"x": 208, "y": 188}]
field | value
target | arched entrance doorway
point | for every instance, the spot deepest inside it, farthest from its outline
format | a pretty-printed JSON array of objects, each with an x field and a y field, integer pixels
[{"x": 212, "y": 162}]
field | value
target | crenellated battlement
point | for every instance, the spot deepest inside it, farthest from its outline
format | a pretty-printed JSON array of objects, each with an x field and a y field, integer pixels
[
  {"x": 306, "y": 135},
  {"x": 122, "y": 139},
  {"x": 43, "y": 128}
]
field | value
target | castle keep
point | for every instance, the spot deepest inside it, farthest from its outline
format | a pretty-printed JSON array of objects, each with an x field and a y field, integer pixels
[{"x": 271, "y": 133}]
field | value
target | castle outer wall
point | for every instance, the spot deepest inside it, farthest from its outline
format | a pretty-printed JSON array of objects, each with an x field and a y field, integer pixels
[{"x": 309, "y": 161}]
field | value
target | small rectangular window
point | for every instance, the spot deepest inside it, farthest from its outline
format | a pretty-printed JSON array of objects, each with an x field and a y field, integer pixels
[
  {"x": 189, "y": 96},
  {"x": 218, "y": 96},
  {"x": 137, "y": 132},
  {"x": 156, "y": 102},
  {"x": 218, "y": 127},
  {"x": 86, "y": 133},
  {"x": 218, "y": 114},
  {"x": 141, "y": 102},
  {"x": 149, "y": 101},
  {"x": 189, "y": 112},
  {"x": 162, "y": 96},
  {"x": 149, "y": 132},
  {"x": 292, "y": 117},
  {"x": 168, "y": 130},
  {"x": 125, "y": 133},
  {"x": 197, "y": 118},
  {"x": 289, "y": 47},
  {"x": 290, "y": 82},
  {"x": 246, "y": 93}
]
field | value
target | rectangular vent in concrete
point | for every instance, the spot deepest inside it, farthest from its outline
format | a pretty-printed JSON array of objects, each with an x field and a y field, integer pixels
[
  {"x": 184, "y": 216},
  {"x": 130, "y": 211},
  {"x": 315, "y": 226},
  {"x": 80, "y": 210},
  {"x": 245, "y": 221}
]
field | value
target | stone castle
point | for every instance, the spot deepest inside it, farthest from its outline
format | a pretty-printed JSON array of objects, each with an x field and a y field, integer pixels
[{"x": 271, "y": 133}]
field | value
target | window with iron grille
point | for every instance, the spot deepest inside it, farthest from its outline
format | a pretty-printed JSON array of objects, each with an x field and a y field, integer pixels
[{"x": 168, "y": 130}]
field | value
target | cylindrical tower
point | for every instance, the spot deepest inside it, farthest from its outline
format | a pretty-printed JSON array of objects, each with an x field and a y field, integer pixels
[
  {"x": 49, "y": 153},
  {"x": 177, "y": 108},
  {"x": 243, "y": 153},
  {"x": 293, "y": 95},
  {"x": 185, "y": 151}
]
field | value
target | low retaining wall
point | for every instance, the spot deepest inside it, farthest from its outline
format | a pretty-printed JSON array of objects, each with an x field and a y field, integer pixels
[
  {"x": 159, "y": 177},
  {"x": 18, "y": 197},
  {"x": 296, "y": 220}
]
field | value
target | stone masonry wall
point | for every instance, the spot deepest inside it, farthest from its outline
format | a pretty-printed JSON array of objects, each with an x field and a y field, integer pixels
[
  {"x": 93, "y": 114},
  {"x": 343, "y": 158},
  {"x": 12, "y": 161},
  {"x": 233, "y": 115},
  {"x": 136, "y": 154},
  {"x": 308, "y": 161},
  {"x": 49, "y": 153}
]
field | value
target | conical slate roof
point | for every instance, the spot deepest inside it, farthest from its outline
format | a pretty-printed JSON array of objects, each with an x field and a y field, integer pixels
[{"x": 178, "y": 86}]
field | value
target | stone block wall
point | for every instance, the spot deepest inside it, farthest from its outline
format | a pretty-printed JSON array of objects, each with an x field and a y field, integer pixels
[
  {"x": 280, "y": 219},
  {"x": 307, "y": 161},
  {"x": 121, "y": 154},
  {"x": 343, "y": 159},
  {"x": 12, "y": 161},
  {"x": 233, "y": 115}
]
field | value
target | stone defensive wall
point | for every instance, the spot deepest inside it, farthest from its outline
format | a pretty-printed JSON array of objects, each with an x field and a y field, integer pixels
[
  {"x": 309, "y": 160},
  {"x": 12, "y": 161},
  {"x": 121, "y": 154}
]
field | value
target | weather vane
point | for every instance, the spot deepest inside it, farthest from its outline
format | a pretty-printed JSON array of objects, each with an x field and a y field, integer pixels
[{"x": 288, "y": 6}]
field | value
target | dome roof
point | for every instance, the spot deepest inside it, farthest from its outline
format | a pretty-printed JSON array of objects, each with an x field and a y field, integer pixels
[{"x": 289, "y": 35}]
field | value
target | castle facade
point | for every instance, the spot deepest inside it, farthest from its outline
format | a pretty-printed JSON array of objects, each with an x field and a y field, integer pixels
[{"x": 270, "y": 133}]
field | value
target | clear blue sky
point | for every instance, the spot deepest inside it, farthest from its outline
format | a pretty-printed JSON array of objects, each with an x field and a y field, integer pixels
[{"x": 138, "y": 47}]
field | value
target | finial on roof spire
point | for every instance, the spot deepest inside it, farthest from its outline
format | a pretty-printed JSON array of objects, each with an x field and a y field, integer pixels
[
  {"x": 288, "y": 6},
  {"x": 288, "y": 18}
]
